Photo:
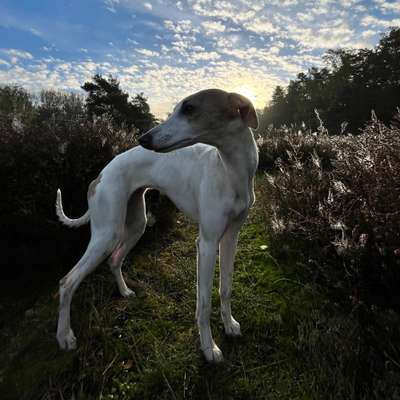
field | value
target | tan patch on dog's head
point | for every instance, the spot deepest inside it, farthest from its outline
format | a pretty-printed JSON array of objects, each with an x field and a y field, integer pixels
[
  {"x": 92, "y": 186},
  {"x": 216, "y": 107},
  {"x": 245, "y": 108}
]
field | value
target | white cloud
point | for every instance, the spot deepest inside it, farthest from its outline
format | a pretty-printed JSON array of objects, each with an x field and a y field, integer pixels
[
  {"x": 388, "y": 6},
  {"x": 368, "y": 33},
  {"x": 36, "y": 32},
  {"x": 371, "y": 21},
  {"x": 182, "y": 26},
  {"x": 329, "y": 35},
  {"x": 260, "y": 25},
  {"x": 305, "y": 17},
  {"x": 148, "y": 53},
  {"x": 132, "y": 70},
  {"x": 212, "y": 27},
  {"x": 17, "y": 53},
  {"x": 203, "y": 56},
  {"x": 147, "y": 6},
  {"x": 111, "y": 4}
]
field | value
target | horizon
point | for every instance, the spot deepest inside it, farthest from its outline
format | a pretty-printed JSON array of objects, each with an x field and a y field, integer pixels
[{"x": 168, "y": 50}]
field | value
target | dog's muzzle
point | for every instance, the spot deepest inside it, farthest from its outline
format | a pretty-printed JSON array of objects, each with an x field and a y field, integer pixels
[{"x": 146, "y": 141}]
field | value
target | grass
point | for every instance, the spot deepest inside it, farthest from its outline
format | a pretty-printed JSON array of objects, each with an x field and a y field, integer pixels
[{"x": 148, "y": 347}]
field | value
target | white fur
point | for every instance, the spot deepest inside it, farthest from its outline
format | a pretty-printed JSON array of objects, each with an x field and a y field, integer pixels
[{"x": 211, "y": 184}]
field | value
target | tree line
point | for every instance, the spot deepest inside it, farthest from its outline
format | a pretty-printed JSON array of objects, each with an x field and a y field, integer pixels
[
  {"x": 105, "y": 99},
  {"x": 353, "y": 82}
]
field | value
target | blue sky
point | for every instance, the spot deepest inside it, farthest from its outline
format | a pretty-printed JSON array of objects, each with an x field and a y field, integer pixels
[{"x": 169, "y": 49}]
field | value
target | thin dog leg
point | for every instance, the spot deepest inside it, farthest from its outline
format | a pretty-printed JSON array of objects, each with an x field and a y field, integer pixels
[
  {"x": 115, "y": 262},
  {"x": 227, "y": 250},
  {"x": 135, "y": 226},
  {"x": 206, "y": 256},
  {"x": 117, "y": 258},
  {"x": 96, "y": 252}
]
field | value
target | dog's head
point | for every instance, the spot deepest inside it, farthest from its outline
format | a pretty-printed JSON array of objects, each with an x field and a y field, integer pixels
[{"x": 203, "y": 117}]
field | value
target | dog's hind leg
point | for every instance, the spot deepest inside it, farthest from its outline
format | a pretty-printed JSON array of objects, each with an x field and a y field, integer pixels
[
  {"x": 106, "y": 222},
  {"x": 98, "y": 249},
  {"x": 135, "y": 226}
]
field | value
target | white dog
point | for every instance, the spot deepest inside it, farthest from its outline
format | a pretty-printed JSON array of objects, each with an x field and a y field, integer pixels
[{"x": 211, "y": 181}]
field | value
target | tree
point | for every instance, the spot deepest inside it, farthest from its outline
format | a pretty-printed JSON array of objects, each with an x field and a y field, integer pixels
[
  {"x": 353, "y": 83},
  {"x": 141, "y": 115},
  {"x": 106, "y": 98},
  {"x": 274, "y": 113},
  {"x": 16, "y": 104},
  {"x": 56, "y": 108}
]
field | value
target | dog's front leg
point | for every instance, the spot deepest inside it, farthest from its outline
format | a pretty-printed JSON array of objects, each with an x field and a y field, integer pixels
[
  {"x": 206, "y": 256},
  {"x": 227, "y": 251}
]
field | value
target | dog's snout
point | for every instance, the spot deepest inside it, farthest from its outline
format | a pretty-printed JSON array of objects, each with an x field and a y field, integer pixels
[{"x": 146, "y": 141}]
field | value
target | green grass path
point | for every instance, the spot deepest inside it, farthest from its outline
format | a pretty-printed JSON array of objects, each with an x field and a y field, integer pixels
[{"x": 148, "y": 348}]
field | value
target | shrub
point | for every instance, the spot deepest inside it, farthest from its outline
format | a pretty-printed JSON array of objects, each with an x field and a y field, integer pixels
[
  {"x": 34, "y": 161},
  {"x": 341, "y": 195},
  {"x": 277, "y": 145},
  {"x": 57, "y": 146},
  {"x": 333, "y": 205}
]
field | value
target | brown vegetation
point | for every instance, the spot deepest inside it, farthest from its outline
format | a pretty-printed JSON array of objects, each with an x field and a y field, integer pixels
[{"x": 333, "y": 207}]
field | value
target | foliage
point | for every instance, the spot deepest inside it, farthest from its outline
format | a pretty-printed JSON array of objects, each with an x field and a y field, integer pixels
[
  {"x": 45, "y": 145},
  {"x": 15, "y": 100},
  {"x": 106, "y": 98},
  {"x": 352, "y": 83},
  {"x": 57, "y": 110},
  {"x": 332, "y": 202},
  {"x": 277, "y": 145},
  {"x": 347, "y": 207}
]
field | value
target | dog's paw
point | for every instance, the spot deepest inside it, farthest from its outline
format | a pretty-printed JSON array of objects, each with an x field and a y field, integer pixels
[
  {"x": 128, "y": 293},
  {"x": 67, "y": 341},
  {"x": 232, "y": 328},
  {"x": 213, "y": 354}
]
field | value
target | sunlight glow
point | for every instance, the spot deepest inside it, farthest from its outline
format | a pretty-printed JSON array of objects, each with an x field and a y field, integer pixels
[{"x": 247, "y": 92}]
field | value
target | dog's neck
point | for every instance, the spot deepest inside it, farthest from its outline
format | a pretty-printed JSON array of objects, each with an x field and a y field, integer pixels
[{"x": 238, "y": 150}]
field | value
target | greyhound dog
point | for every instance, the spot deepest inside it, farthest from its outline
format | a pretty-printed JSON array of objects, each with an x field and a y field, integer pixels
[{"x": 207, "y": 169}]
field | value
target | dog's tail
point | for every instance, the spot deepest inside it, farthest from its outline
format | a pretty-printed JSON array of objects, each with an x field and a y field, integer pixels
[{"x": 72, "y": 223}]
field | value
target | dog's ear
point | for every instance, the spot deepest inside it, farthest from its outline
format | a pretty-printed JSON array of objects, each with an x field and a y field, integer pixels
[{"x": 245, "y": 108}]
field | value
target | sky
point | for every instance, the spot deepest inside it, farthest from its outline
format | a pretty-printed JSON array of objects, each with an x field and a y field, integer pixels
[{"x": 170, "y": 49}]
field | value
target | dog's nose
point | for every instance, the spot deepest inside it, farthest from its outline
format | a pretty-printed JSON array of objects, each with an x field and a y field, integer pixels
[{"x": 146, "y": 141}]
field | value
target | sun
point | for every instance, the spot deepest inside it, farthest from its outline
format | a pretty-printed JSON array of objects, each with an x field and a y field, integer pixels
[{"x": 246, "y": 91}]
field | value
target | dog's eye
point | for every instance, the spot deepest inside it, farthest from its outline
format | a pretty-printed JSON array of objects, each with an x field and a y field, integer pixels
[{"x": 188, "y": 109}]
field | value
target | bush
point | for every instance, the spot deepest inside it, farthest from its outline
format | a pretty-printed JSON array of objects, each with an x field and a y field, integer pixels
[
  {"x": 341, "y": 195},
  {"x": 277, "y": 145},
  {"x": 57, "y": 146},
  {"x": 333, "y": 204},
  {"x": 34, "y": 161}
]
